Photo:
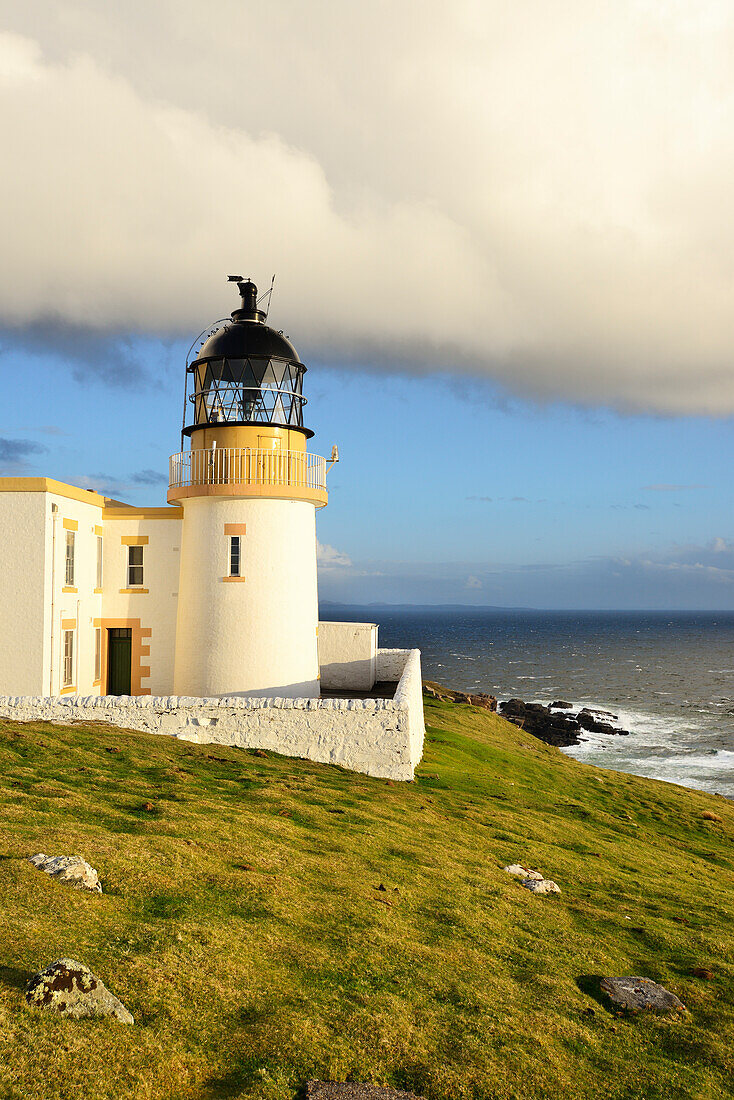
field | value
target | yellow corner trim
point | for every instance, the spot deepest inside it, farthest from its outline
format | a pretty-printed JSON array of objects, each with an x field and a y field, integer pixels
[
  {"x": 134, "y": 540},
  {"x": 96, "y": 683},
  {"x": 68, "y": 691},
  {"x": 48, "y": 485},
  {"x": 71, "y": 525},
  {"x": 98, "y": 591},
  {"x": 231, "y": 579},
  {"x": 133, "y": 591},
  {"x": 98, "y": 530},
  {"x": 67, "y": 588},
  {"x": 143, "y": 670},
  {"x": 175, "y": 512},
  {"x": 235, "y": 528},
  {"x": 68, "y": 624}
]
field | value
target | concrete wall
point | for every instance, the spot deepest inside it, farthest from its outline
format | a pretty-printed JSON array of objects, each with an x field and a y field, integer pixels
[
  {"x": 347, "y": 654},
  {"x": 380, "y": 737}
]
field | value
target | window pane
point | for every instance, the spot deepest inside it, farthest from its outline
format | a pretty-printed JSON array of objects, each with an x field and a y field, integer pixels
[
  {"x": 68, "y": 670},
  {"x": 69, "y": 574},
  {"x": 135, "y": 566},
  {"x": 99, "y": 562},
  {"x": 234, "y": 556},
  {"x": 98, "y": 653}
]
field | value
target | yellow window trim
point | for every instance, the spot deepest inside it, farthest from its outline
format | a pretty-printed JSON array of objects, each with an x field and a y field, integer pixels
[
  {"x": 235, "y": 528},
  {"x": 68, "y": 624},
  {"x": 99, "y": 531},
  {"x": 71, "y": 525},
  {"x": 68, "y": 588},
  {"x": 232, "y": 579},
  {"x": 98, "y": 591},
  {"x": 68, "y": 691},
  {"x": 96, "y": 683},
  {"x": 134, "y": 540},
  {"x": 133, "y": 591}
]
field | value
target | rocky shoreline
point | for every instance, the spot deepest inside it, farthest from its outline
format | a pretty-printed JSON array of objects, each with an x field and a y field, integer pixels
[{"x": 555, "y": 725}]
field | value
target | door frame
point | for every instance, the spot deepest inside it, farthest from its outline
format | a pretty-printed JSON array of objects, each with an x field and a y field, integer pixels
[{"x": 140, "y": 648}]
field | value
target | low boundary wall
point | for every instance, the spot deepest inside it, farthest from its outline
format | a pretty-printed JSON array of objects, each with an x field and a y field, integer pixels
[{"x": 380, "y": 737}]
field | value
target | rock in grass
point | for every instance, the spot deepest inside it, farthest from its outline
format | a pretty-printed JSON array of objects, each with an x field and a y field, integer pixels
[
  {"x": 641, "y": 995},
  {"x": 69, "y": 987},
  {"x": 519, "y": 871},
  {"x": 348, "y": 1090},
  {"x": 71, "y": 869},
  {"x": 541, "y": 886}
]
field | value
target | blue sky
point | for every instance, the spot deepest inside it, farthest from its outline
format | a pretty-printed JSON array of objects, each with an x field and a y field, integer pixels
[
  {"x": 503, "y": 242},
  {"x": 447, "y": 490}
]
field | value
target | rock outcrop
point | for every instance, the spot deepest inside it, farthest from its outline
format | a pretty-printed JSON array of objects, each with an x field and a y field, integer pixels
[
  {"x": 70, "y": 988},
  {"x": 642, "y": 995},
  {"x": 70, "y": 869},
  {"x": 541, "y": 886},
  {"x": 555, "y": 728},
  {"x": 448, "y": 695}
]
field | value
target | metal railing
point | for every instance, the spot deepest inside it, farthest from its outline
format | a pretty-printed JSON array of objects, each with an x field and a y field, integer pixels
[{"x": 247, "y": 466}]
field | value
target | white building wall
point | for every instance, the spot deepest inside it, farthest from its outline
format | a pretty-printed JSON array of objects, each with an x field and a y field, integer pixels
[
  {"x": 22, "y": 552},
  {"x": 257, "y": 635},
  {"x": 81, "y": 605},
  {"x": 347, "y": 655},
  {"x": 154, "y": 604}
]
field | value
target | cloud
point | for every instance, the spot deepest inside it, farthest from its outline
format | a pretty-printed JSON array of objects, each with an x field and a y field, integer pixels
[
  {"x": 149, "y": 477},
  {"x": 330, "y": 558},
  {"x": 14, "y": 455},
  {"x": 582, "y": 251},
  {"x": 486, "y": 500},
  {"x": 473, "y": 582},
  {"x": 671, "y": 488}
]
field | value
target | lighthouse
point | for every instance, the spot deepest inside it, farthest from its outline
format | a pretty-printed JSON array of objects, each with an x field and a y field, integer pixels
[{"x": 247, "y": 615}]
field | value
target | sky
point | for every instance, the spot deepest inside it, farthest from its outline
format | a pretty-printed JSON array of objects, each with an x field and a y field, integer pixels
[{"x": 503, "y": 245}]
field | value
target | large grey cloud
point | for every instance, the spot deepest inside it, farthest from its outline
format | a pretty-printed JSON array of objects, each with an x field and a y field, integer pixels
[{"x": 535, "y": 193}]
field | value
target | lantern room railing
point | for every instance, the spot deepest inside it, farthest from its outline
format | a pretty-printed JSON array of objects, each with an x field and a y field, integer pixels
[{"x": 247, "y": 466}]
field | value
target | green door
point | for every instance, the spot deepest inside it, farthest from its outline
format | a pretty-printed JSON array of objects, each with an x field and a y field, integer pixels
[{"x": 119, "y": 660}]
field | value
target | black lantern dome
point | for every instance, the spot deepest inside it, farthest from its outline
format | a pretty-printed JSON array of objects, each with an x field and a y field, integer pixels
[{"x": 247, "y": 373}]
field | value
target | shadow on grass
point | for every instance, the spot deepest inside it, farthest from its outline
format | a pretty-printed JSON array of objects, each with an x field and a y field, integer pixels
[
  {"x": 244, "y": 1074},
  {"x": 13, "y": 977},
  {"x": 590, "y": 986}
]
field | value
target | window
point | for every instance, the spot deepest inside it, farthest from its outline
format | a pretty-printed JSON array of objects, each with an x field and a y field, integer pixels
[
  {"x": 134, "y": 566},
  {"x": 68, "y": 669},
  {"x": 98, "y": 653},
  {"x": 70, "y": 559},
  {"x": 234, "y": 556},
  {"x": 99, "y": 561}
]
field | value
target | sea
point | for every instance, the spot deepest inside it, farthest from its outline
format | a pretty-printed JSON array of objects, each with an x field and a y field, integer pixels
[{"x": 668, "y": 677}]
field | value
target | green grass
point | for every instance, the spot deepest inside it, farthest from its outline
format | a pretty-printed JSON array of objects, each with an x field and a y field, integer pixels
[{"x": 242, "y": 927}]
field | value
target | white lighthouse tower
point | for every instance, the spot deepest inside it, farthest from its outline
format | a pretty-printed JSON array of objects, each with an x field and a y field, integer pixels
[{"x": 247, "y": 619}]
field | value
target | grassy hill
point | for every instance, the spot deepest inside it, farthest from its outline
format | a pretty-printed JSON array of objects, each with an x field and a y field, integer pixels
[{"x": 245, "y": 926}]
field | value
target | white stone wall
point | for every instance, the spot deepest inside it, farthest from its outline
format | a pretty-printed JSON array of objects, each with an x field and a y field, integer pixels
[
  {"x": 380, "y": 737},
  {"x": 347, "y": 655}
]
